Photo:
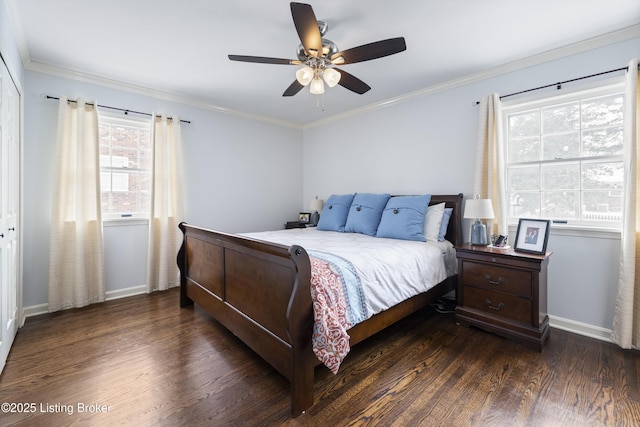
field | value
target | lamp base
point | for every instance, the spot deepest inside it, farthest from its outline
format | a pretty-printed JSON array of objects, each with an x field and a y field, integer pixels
[
  {"x": 479, "y": 234},
  {"x": 315, "y": 217}
]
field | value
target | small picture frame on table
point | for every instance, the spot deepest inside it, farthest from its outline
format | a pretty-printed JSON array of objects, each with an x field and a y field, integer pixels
[
  {"x": 304, "y": 217},
  {"x": 532, "y": 236}
]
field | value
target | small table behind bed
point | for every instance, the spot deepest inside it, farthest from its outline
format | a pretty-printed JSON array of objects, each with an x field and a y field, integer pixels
[{"x": 261, "y": 293}]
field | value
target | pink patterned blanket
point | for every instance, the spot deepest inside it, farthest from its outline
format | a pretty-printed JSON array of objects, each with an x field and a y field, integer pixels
[{"x": 330, "y": 339}]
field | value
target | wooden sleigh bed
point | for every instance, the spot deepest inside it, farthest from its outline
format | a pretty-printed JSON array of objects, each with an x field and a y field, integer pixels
[{"x": 260, "y": 292}]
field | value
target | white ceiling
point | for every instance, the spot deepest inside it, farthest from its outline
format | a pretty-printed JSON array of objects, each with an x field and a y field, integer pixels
[{"x": 181, "y": 47}]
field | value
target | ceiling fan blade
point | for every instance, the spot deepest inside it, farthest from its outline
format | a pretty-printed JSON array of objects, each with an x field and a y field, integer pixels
[
  {"x": 294, "y": 88},
  {"x": 307, "y": 26},
  {"x": 370, "y": 51},
  {"x": 264, "y": 60},
  {"x": 351, "y": 82}
]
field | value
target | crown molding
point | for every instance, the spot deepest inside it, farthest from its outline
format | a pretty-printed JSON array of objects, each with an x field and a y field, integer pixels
[
  {"x": 551, "y": 55},
  {"x": 154, "y": 93},
  {"x": 554, "y": 54}
]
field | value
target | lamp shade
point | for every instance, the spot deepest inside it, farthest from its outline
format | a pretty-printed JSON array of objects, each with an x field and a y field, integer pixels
[
  {"x": 478, "y": 208},
  {"x": 316, "y": 205}
]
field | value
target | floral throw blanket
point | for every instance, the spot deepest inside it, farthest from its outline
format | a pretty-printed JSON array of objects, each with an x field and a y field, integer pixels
[{"x": 338, "y": 304}]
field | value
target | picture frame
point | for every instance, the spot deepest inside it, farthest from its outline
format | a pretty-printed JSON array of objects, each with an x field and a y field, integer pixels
[
  {"x": 532, "y": 236},
  {"x": 304, "y": 217}
]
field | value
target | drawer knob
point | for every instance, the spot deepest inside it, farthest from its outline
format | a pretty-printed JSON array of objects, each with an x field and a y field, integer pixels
[
  {"x": 499, "y": 307},
  {"x": 494, "y": 282}
]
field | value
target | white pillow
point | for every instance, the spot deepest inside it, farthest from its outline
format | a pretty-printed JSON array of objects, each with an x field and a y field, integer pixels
[{"x": 432, "y": 222}]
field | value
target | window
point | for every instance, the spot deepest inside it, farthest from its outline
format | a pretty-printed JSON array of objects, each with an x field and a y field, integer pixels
[
  {"x": 564, "y": 158},
  {"x": 125, "y": 166}
]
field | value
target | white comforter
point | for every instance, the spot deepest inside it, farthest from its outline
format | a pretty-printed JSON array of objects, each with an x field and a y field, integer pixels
[{"x": 390, "y": 270}]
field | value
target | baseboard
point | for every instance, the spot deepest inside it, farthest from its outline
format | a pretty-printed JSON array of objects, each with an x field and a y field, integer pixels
[
  {"x": 126, "y": 292},
  {"x": 34, "y": 310},
  {"x": 38, "y": 309},
  {"x": 580, "y": 328}
]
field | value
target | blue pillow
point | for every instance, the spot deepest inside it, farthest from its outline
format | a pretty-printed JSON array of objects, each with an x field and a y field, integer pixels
[
  {"x": 446, "y": 216},
  {"x": 403, "y": 218},
  {"x": 334, "y": 213},
  {"x": 365, "y": 212}
]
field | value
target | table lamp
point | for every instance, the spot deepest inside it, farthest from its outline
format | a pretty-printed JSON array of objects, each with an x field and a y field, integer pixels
[
  {"x": 478, "y": 209},
  {"x": 315, "y": 207}
]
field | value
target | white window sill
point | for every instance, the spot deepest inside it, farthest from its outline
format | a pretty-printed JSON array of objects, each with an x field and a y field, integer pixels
[
  {"x": 119, "y": 222},
  {"x": 575, "y": 231}
]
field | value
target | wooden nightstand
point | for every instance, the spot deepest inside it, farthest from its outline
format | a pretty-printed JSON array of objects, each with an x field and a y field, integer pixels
[{"x": 505, "y": 292}]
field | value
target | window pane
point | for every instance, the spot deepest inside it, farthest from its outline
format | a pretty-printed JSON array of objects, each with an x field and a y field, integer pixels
[
  {"x": 524, "y": 204},
  {"x": 602, "y": 206},
  {"x": 561, "y": 205},
  {"x": 604, "y": 111},
  {"x": 603, "y": 175},
  {"x": 524, "y": 150},
  {"x": 524, "y": 178},
  {"x": 601, "y": 142},
  {"x": 561, "y": 176},
  {"x": 561, "y": 118},
  {"x": 119, "y": 182},
  {"x": 105, "y": 182},
  {"x": 561, "y": 146},
  {"x": 524, "y": 124}
]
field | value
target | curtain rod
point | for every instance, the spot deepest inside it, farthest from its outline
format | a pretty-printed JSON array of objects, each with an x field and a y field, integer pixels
[
  {"x": 559, "y": 84},
  {"x": 116, "y": 108}
]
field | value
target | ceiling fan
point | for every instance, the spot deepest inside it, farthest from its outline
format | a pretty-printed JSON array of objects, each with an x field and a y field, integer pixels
[{"x": 319, "y": 57}]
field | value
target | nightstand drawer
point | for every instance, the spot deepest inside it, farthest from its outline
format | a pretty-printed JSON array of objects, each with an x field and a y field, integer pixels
[
  {"x": 498, "y": 304},
  {"x": 497, "y": 278}
]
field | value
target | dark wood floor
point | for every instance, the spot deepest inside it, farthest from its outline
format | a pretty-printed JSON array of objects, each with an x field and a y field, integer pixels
[{"x": 145, "y": 361}]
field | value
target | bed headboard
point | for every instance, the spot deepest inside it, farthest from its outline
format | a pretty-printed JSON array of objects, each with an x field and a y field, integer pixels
[{"x": 454, "y": 231}]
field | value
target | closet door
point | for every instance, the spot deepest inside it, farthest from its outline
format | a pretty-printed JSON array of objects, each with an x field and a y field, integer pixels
[{"x": 9, "y": 211}]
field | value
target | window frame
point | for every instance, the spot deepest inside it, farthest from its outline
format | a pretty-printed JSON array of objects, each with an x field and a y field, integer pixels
[
  {"x": 114, "y": 118},
  {"x": 599, "y": 88}
]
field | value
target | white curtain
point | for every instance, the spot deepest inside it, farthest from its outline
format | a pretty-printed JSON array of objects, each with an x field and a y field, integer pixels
[
  {"x": 166, "y": 205},
  {"x": 489, "y": 168},
  {"x": 626, "y": 320},
  {"x": 76, "y": 262}
]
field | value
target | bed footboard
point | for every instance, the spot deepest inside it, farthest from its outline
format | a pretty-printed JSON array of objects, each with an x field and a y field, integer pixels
[{"x": 260, "y": 292}]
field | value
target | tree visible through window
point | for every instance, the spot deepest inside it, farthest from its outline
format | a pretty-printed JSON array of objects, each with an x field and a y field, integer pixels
[
  {"x": 565, "y": 158},
  {"x": 125, "y": 166}
]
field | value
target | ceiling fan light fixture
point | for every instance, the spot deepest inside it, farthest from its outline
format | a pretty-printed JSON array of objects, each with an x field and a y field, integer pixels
[
  {"x": 331, "y": 76},
  {"x": 317, "y": 86},
  {"x": 304, "y": 75},
  {"x": 317, "y": 55}
]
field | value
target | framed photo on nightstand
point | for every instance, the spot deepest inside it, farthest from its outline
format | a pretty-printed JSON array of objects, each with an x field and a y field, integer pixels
[
  {"x": 532, "y": 236},
  {"x": 304, "y": 217}
]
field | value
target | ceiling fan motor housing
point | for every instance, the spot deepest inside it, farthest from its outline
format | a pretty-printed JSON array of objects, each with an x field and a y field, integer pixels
[{"x": 328, "y": 47}]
